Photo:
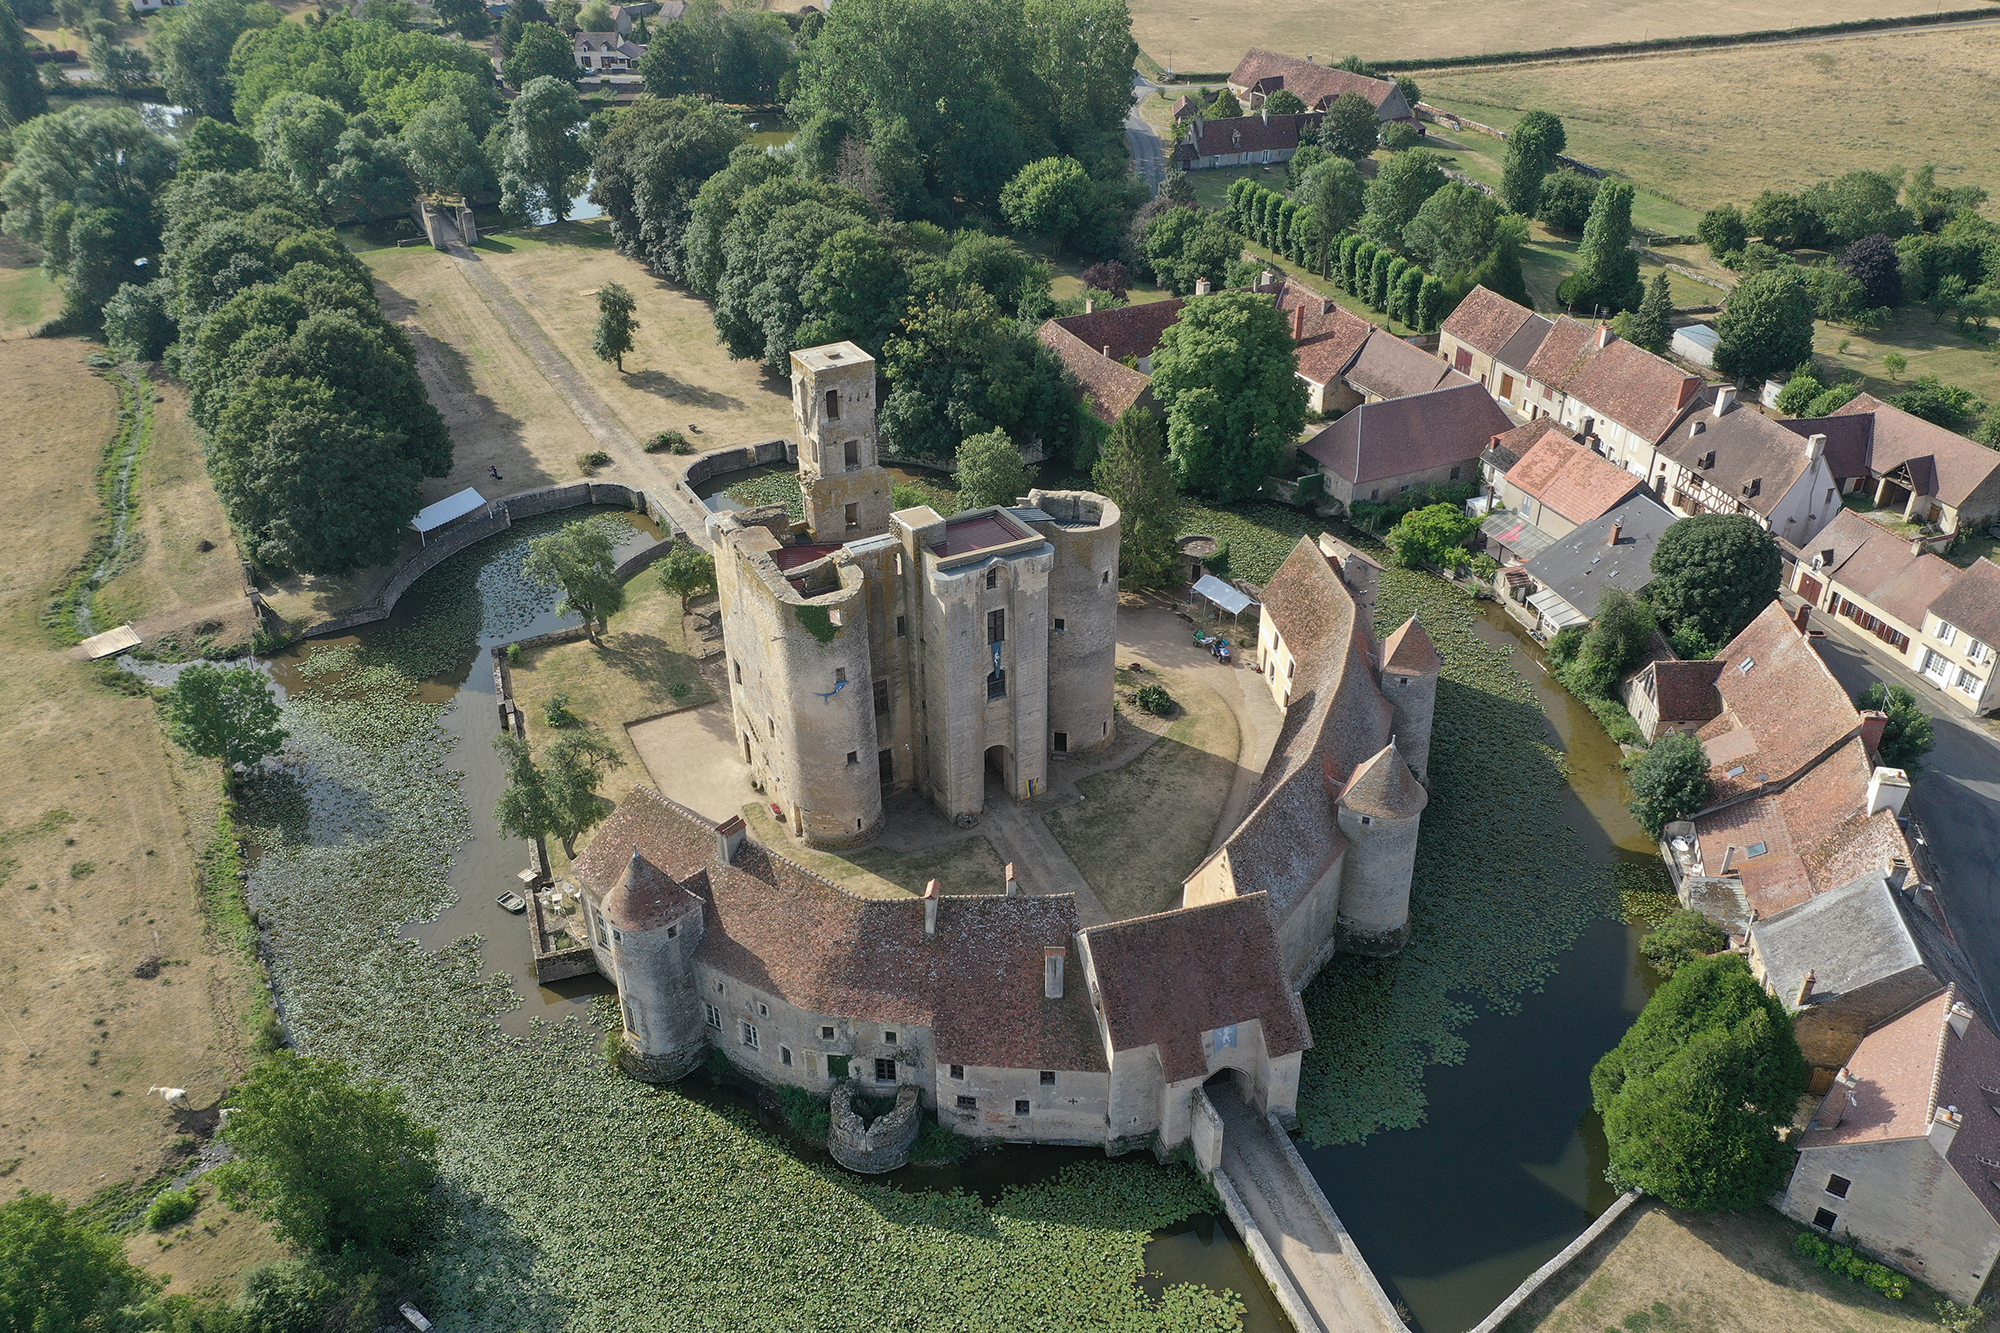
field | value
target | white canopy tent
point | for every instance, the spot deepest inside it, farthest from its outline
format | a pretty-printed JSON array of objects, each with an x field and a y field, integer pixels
[
  {"x": 433, "y": 517},
  {"x": 1225, "y": 598}
]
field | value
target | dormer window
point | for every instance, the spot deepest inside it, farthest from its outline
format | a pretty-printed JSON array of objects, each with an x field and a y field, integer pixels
[
  {"x": 1707, "y": 461},
  {"x": 1753, "y": 487}
]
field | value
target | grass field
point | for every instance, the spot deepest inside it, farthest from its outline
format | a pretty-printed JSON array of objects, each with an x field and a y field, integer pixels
[
  {"x": 1932, "y": 347},
  {"x": 26, "y": 296},
  {"x": 1714, "y": 127},
  {"x": 1134, "y": 860},
  {"x": 1675, "y": 1272},
  {"x": 1201, "y": 40},
  {"x": 100, "y": 819},
  {"x": 961, "y": 865}
]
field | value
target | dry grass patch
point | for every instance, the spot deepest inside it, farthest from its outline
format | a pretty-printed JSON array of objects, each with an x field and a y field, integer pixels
[
  {"x": 1674, "y": 1272},
  {"x": 99, "y": 815},
  {"x": 1931, "y": 346},
  {"x": 1143, "y": 827},
  {"x": 208, "y": 1255},
  {"x": 27, "y": 296},
  {"x": 963, "y": 865},
  {"x": 1712, "y": 127}
]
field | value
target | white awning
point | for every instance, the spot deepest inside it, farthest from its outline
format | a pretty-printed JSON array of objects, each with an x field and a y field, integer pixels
[
  {"x": 1224, "y": 596},
  {"x": 447, "y": 509},
  {"x": 1555, "y": 611}
]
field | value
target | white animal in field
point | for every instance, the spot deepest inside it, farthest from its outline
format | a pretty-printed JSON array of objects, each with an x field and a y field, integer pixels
[{"x": 175, "y": 1097}]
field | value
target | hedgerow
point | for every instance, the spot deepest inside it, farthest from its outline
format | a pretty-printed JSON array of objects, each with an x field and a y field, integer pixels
[{"x": 1842, "y": 1259}]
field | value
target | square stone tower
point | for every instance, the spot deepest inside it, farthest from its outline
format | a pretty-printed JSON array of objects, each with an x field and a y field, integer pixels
[{"x": 833, "y": 403}]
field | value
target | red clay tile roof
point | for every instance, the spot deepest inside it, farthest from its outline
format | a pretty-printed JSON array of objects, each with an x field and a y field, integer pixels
[
  {"x": 1410, "y": 652},
  {"x": 1972, "y": 602},
  {"x": 1685, "y": 691},
  {"x": 1486, "y": 320},
  {"x": 1781, "y": 713},
  {"x": 646, "y": 897},
  {"x": 1570, "y": 479},
  {"x": 1110, "y": 387},
  {"x": 777, "y": 927},
  {"x": 1388, "y": 367},
  {"x": 1130, "y": 330},
  {"x": 1960, "y": 465},
  {"x": 1329, "y": 336},
  {"x": 1414, "y": 434},
  {"x": 1622, "y": 381},
  {"x": 1385, "y": 788},
  {"x": 1166, "y": 980},
  {"x": 1511, "y": 446},
  {"x": 1250, "y": 133},
  {"x": 1872, "y": 562},
  {"x": 1316, "y": 85},
  {"x": 1562, "y": 351}
]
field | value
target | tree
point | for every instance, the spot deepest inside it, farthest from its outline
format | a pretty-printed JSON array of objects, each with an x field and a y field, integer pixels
[
  {"x": 1455, "y": 230},
  {"x": 1833, "y": 399},
  {"x": 557, "y": 798},
  {"x": 1334, "y": 191},
  {"x": 1651, "y": 327},
  {"x": 1532, "y": 148},
  {"x": 332, "y": 1161},
  {"x": 1433, "y": 535},
  {"x": 1047, "y": 198},
  {"x": 857, "y": 291},
  {"x": 1185, "y": 245},
  {"x": 1607, "y": 267},
  {"x": 137, "y": 325},
  {"x": 615, "y": 324},
  {"x": 544, "y": 163},
  {"x": 1723, "y": 230},
  {"x": 1908, "y": 735},
  {"x": 1226, "y": 374},
  {"x": 193, "y": 41},
  {"x": 1716, "y": 571},
  {"x": 214, "y": 145},
  {"x": 1682, "y": 937},
  {"x": 1873, "y": 262},
  {"x": 1567, "y": 198},
  {"x": 1132, "y": 473},
  {"x": 1767, "y": 326},
  {"x": 540, "y": 52},
  {"x": 1352, "y": 128},
  {"x": 580, "y": 559},
  {"x": 21, "y": 95},
  {"x": 445, "y": 155},
  {"x": 1670, "y": 782},
  {"x": 594, "y": 17},
  {"x": 1284, "y": 102},
  {"x": 225, "y": 713},
  {"x": 1616, "y": 641},
  {"x": 1107, "y": 276},
  {"x": 647, "y": 170},
  {"x": 990, "y": 471},
  {"x": 369, "y": 179},
  {"x": 1858, "y": 204},
  {"x": 1696, "y": 1094},
  {"x": 1894, "y": 364},
  {"x": 1949, "y": 405},
  {"x": 687, "y": 571},
  {"x": 1400, "y": 187},
  {"x": 1224, "y": 106},
  {"x": 961, "y": 367},
  {"x": 466, "y": 17},
  {"x": 61, "y": 1274}
]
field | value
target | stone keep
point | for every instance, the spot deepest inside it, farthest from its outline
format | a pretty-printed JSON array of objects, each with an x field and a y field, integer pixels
[{"x": 833, "y": 405}]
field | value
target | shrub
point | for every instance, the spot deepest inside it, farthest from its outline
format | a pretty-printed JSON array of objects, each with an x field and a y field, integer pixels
[
  {"x": 936, "y": 1143},
  {"x": 172, "y": 1208},
  {"x": 590, "y": 462},
  {"x": 1909, "y": 735},
  {"x": 514, "y": 653},
  {"x": 1669, "y": 782},
  {"x": 1155, "y": 700},
  {"x": 556, "y": 712},
  {"x": 1399, "y": 136},
  {"x": 1684, "y": 935},
  {"x": 668, "y": 441},
  {"x": 1842, "y": 1259},
  {"x": 809, "y": 1116}
]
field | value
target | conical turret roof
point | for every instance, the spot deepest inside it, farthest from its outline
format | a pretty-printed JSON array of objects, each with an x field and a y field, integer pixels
[
  {"x": 1410, "y": 652},
  {"x": 646, "y": 897},
  {"x": 1385, "y": 788}
]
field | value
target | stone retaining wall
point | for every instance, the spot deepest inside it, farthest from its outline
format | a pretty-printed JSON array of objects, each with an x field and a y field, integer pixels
[
  {"x": 732, "y": 460},
  {"x": 1554, "y": 1267}
]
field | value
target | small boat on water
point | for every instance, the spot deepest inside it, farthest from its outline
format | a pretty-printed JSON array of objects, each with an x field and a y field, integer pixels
[{"x": 513, "y": 902}]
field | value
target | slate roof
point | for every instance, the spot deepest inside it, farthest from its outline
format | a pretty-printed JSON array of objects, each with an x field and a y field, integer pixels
[
  {"x": 1872, "y": 562},
  {"x": 775, "y": 926},
  {"x": 1168, "y": 979},
  {"x": 1846, "y": 441},
  {"x": 1485, "y": 320},
  {"x": 1388, "y": 367},
  {"x": 1960, "y": 466},
  {"x": 1685, "y": 691},
  {"x": 1402, "y": 435},
  {"x": 1579, "y": 567},
  {"x": 1752, "y": 452},
  {"x": 1782, "y": 709},
  {"x": 1317, "y": 85},
  {"x": 1520, "y": 348},
  {"x": 1570, "y": 479},
  {"x": 1972, "y": 602}
]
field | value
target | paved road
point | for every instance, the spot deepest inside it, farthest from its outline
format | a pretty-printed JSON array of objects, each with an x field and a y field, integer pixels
[
  {"x": 1955, "y": 799},
  {"x": 1149, "y": 154}
]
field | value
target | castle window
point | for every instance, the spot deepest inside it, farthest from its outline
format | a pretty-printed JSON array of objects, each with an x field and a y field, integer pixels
[
  {"x": 958, "y": 1071},
  {"x": 1059, "y": 625},
  {"x": 1454, "y": 474},
  {"x": 603, "y": 933},
  {"x": 763, "y": 1010},
  {"x": 737, "y": 669},
  {"x": 852, "y": 453},
  {"x": 1824, "y": 1219},
  {"x": 784, "y": 1055},
  {"x": 1838, "y": 1186},
  {"x": 968, "y": 1103},
  {"x": 840, "y": 675},
  {"x": 993, "y": 577},
  {"x": 1048, "y": 1078},
  {"x": 714, "y": 1016},
  {"x": 618, "y": 935},
  {"x": 885, "y": 1071},
  {"x": 853, "y": 758},
  {"x": 889, "y": 1037},
  {"x": 750, "y": 1035},
  {"x": 996, "y": 685},
  {"x": 672, "y": 931},
  {"x": 853, "y": 515},
  {"x": 833, "y": 404},
  {"x": 881, "y": 696},
  {"x": 902, "y": 626},
  {"x": 825, "y": 1033},
  {"x": 1104, "y": 579},
  {"x": 1366, "y": 820},
  {"x": 1061, "y": 743},
  {"x": 996, "y": 627},
  {"x": 1021, "y": 1106}
]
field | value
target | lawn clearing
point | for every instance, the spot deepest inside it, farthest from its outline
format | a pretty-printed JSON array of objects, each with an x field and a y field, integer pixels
[
  {"x": 1202, "y": 40},
  {"x": 1667, "y": 1270},
  {"x": 1931, "y": 346},
  {"x": 98, "y": 821},
  {"x": 1130, "y": 851},
  {"x": 1711, "y": 127},
  {"x": 27, "y": 296}
]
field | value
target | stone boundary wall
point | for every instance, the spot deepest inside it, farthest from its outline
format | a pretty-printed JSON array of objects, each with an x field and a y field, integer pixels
[
  {"x": 1282, "y": 1287},
  {"x": 734, "y": 459},
  {"x": 1554, "y": 1267},
  {"x": 527, "y": 504},
  {"x": 1385, "y": 1307}
]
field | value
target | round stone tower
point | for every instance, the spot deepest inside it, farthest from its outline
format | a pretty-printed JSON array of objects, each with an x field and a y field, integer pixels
[
  {"x": 1083, "y": 527},
  {"x": 655, "y": 926},
  {"x": 1378, "y": 811},
  {"x": 1410, "y": 667}
]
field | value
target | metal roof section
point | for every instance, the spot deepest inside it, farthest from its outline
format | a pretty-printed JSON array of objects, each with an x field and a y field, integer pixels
[
  {"x": 432, "y": 517},
  {"x": 1229, "y": 599}
]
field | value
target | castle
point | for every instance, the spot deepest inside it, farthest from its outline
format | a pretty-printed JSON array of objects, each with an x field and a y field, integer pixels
[
  {"x": 951, "y": 651},
  {"x": 885, "y": 651}
]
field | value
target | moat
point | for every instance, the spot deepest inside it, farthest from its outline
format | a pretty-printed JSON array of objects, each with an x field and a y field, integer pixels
[{"x": 1506, "y": 1169}]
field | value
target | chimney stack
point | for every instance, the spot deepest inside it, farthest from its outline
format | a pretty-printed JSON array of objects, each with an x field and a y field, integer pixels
[
  {"x": 1201, "y": 286},
  {"x": 1838, "y": 1099},
  {"x": 729, "y": 838},
  {"x": 1946, "y": 1121},
  {"x": 1612, "y": 540},
  {"x": 1959, "y": 1016},
  {"x": 1803, "y": 621},
  {"x": 1725, "y": 398},
  {"x": 1728, "y": 856},
  {"x": 1604, "y": 335},
  {"x": 1298, "y": 322},
  {"x": 1805, "y": 990},
  {"x": 1264, "y": 278},
  {"x": 1916, "y": 546},
  {"x": 1873, "y": 723},
  {"x": 1815, "y": 449},
  {"x": 1052, "y": 972},
  {"x": 1107, "y": 351},
  {"x": 1013, "y": 882},
  {"x": 1089, "y": 305},
  {"x": 931, "y": 891},
  {"x": 1888, "y": 788}
]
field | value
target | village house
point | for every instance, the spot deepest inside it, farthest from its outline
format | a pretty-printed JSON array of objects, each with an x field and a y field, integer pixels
[
  {"x": 606, "y": 53},
  {"x": 1565, "y": 584},
  {"x": 1667, "y": 695},
  {"x": 1901, "y": 1157},
  {"x": 1547, "y": 491},
  {"x": 1903, "y": 463},
  {"x": 1256, "y": 139},
  {"x": 1380, "y": 449},
  {"x": 1109, "y": 353},
  {"x": 1918, "y": 610},
  {"x": 1261, "y": 73}
]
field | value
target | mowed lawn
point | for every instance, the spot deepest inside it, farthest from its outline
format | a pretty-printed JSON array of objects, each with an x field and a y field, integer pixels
[
  {"x": 1204, "y": 39},
  {"x": 1716, "y": 127}
]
